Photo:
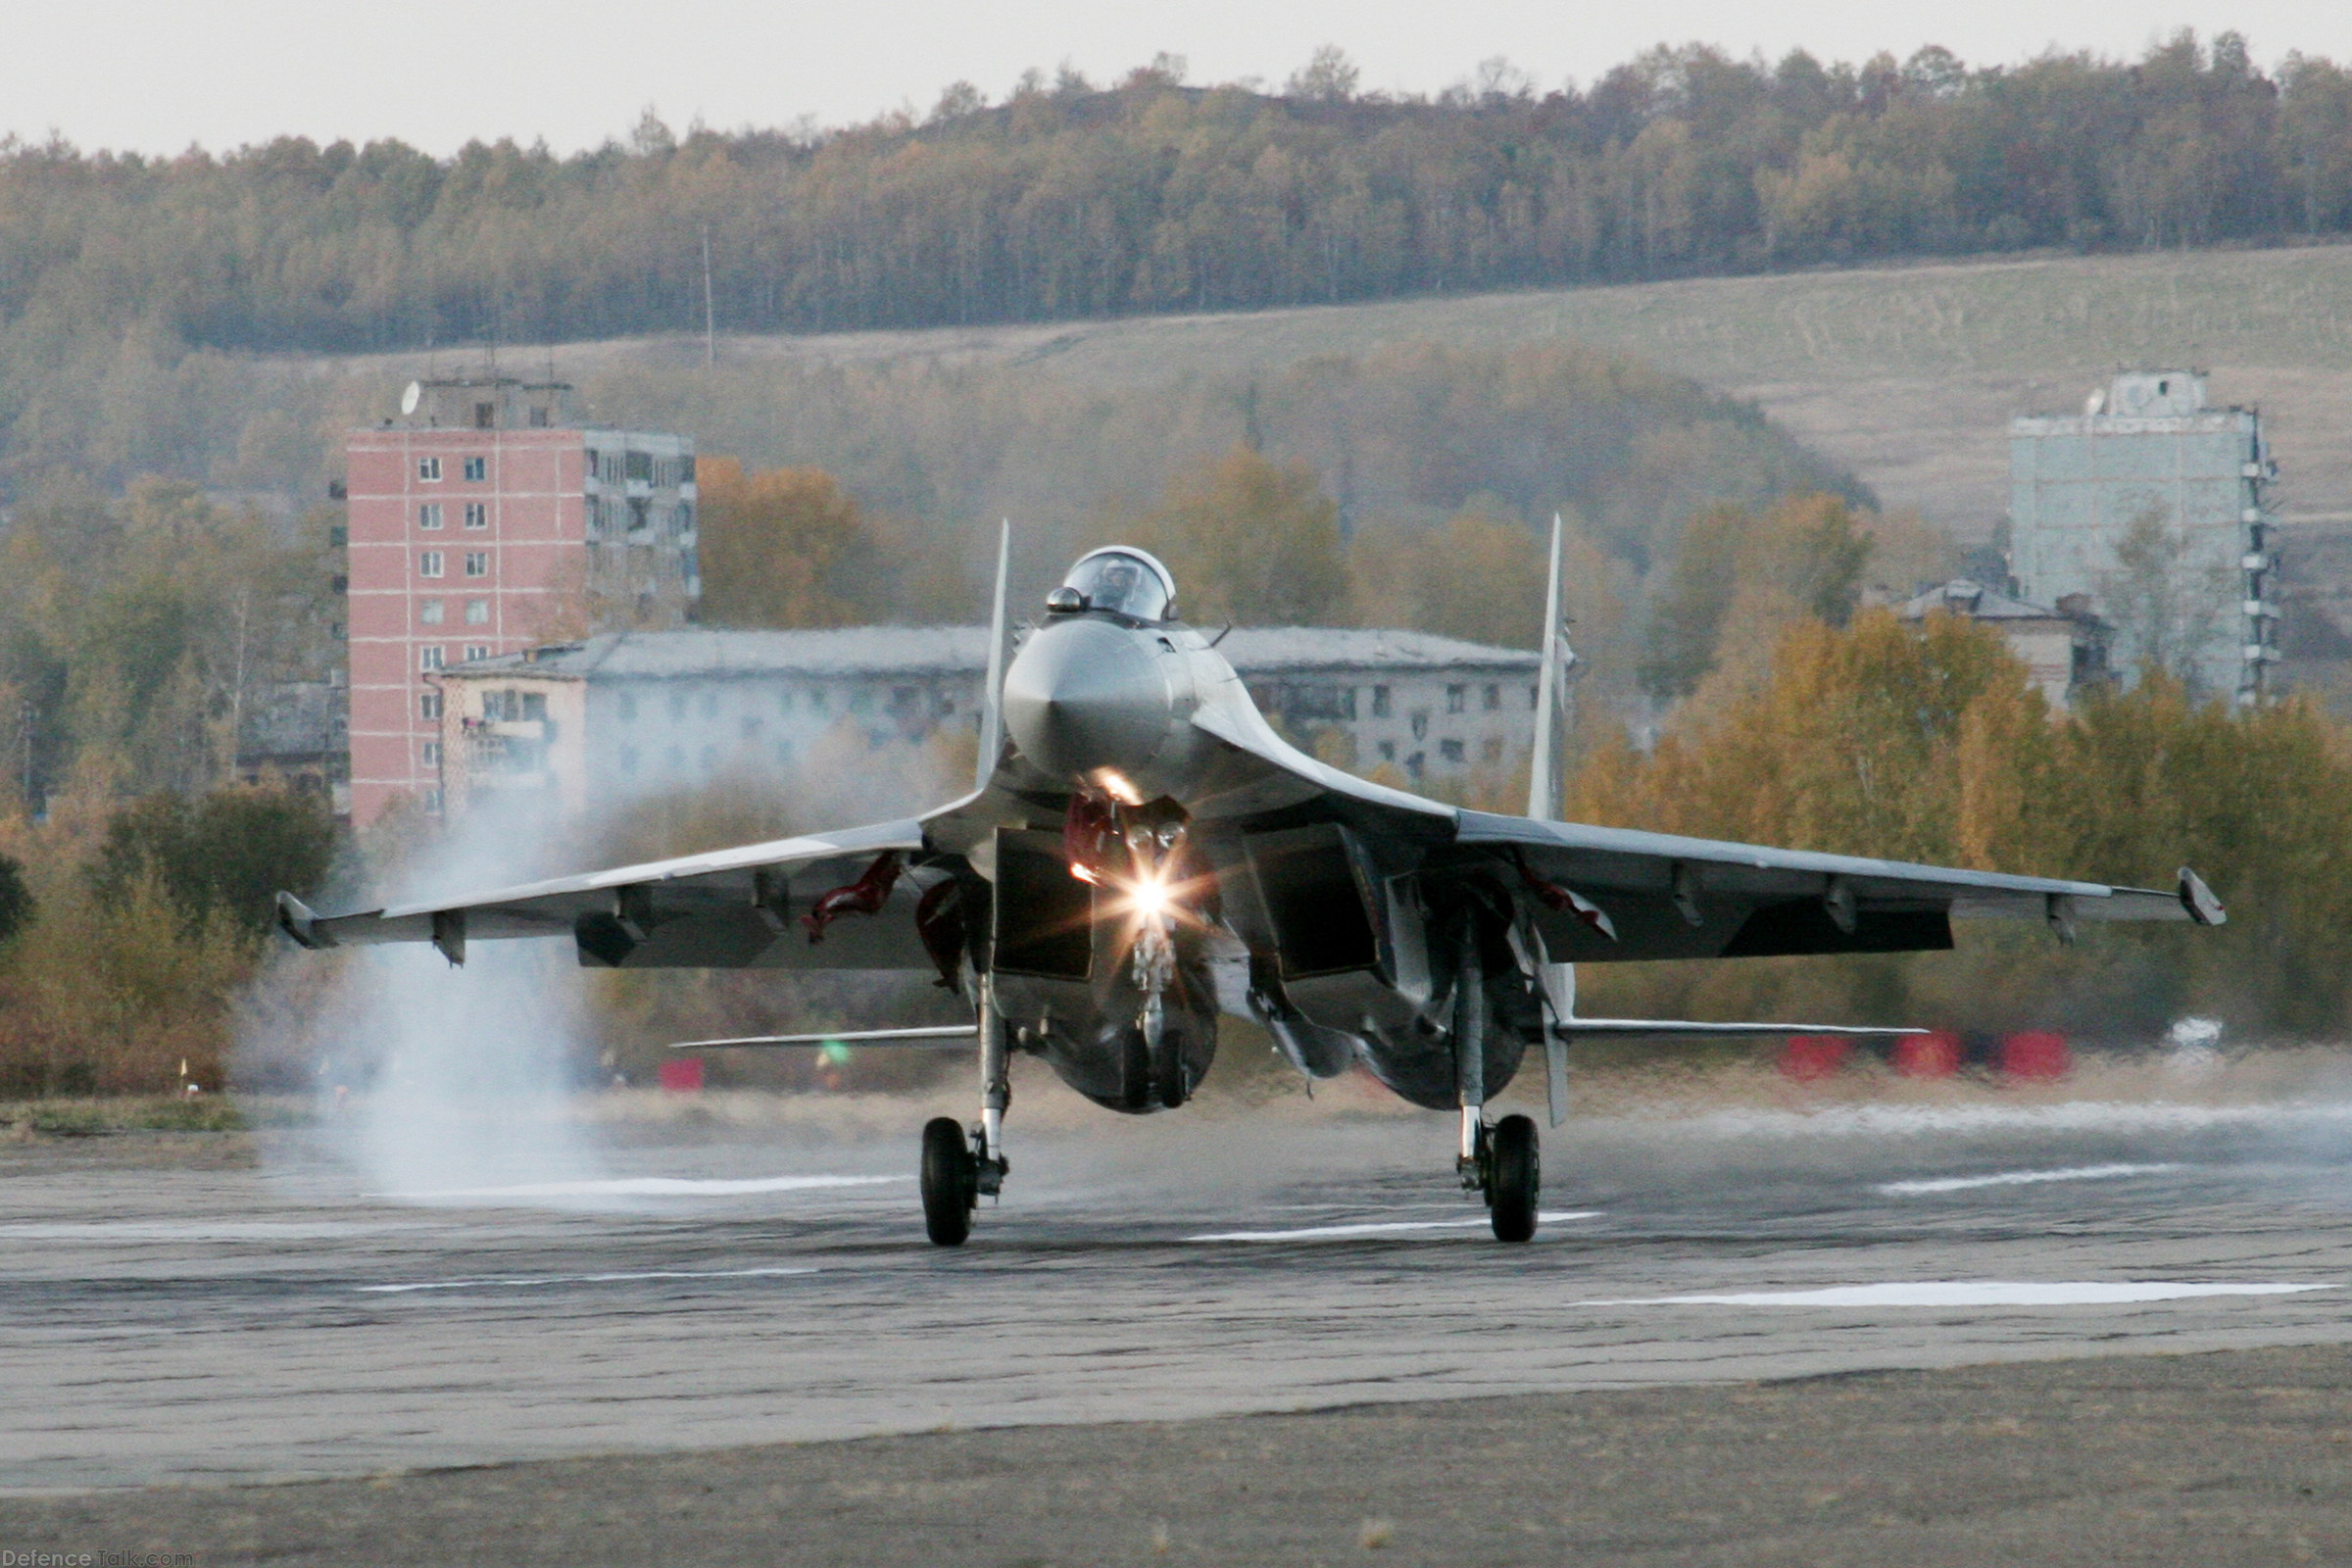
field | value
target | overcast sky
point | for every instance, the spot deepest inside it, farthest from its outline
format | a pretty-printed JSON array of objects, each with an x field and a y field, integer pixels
[{"x": 156, "y": 75}]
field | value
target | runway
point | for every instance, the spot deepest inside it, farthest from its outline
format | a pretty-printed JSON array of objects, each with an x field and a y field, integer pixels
[{"x": 183, "y": 1309}]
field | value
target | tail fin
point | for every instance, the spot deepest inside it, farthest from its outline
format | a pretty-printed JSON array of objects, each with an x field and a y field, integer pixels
[
  {"x": 1543, "y": 766},
  {"x": 992, "y": 696}
]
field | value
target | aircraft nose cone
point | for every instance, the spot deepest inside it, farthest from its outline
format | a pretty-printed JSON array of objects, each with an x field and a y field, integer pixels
[{"x": 1086, "y": 694}]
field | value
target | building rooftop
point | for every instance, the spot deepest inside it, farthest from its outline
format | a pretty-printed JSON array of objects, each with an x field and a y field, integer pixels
[
  {"x": 1979, "y": 602},
  {"x": 705, "y": 652}
]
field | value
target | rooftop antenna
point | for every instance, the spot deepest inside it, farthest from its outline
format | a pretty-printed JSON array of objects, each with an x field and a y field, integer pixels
[
  {"x": 1543, "y": 767},
  {"x": 710, "y": 311}
]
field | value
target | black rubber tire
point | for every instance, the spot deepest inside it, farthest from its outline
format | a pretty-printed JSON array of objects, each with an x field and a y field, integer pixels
[
  {"x": 1515, "y": 1179},
  {"x": 950, "y": 1182},
  {"x": 1137, "y": 1091},
  {"x": 1168, "y": 1073}
]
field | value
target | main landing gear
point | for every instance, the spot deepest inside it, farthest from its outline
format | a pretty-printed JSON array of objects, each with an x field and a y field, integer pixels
[
  {"x": 1507, "y": 1170},
  {"x": 959, "y": 1167},
  {"x": 1500, "y": 1164}
]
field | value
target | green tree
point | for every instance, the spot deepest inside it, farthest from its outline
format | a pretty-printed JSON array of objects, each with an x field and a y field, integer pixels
[
  {"x": 1804, "y": 556},
  {"x": 230, "y": 853}
]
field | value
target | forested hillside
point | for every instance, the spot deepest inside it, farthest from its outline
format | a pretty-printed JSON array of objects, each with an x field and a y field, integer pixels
[{"x": 1071, "y": 199}]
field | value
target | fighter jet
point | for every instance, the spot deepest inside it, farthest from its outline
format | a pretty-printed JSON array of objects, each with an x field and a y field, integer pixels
[{"x": 1143, "y": 855}]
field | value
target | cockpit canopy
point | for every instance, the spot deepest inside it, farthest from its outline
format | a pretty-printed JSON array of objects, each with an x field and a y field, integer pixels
[{"x": 1125, "y": 581}]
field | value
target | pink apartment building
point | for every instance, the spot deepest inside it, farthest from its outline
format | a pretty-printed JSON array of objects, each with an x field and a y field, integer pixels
[{"x": 484, "y": 519}]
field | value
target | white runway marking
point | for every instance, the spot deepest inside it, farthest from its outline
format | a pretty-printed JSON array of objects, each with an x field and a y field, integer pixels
[
  {"x": 660, "y": 1187},
  {"x": 2018, "y": 1178},
  {"x": 1977, "y": 1293},
  {"x": 2075, "y": 1115},
  {"x": 1376, "y": 1228},
  {"x": 586, "y": 1279}
]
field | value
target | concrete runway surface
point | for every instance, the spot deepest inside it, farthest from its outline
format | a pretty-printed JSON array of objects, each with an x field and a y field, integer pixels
[{"x": 177, "y": 1311}]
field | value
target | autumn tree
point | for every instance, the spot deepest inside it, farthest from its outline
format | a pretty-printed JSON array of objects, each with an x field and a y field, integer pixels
[
  {"x": 1250, "y": 540},
  {"x": 784, "y": 547}
]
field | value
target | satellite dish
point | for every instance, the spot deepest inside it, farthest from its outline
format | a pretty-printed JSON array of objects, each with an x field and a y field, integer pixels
[{"x": 411, "y": 396}]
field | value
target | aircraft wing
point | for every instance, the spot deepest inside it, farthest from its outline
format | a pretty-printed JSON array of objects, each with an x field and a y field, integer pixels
[
  {"x": 1659, "y": 895},
  {"x": 745, "y": 906},
  {"x": 1604, "y": 892}
]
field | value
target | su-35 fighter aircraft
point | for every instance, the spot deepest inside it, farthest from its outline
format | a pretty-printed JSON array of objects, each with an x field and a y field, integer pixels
[{"x": 1142, "y": 854}]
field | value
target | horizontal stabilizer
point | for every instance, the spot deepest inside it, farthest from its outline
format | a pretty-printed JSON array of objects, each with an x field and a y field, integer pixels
[
  {"x": 945, "y": 1037},
  {"x": 1570, "y": 1028}
]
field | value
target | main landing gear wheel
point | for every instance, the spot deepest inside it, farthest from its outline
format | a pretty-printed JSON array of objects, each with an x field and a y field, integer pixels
[
  {"x": 1514, "y": 1178},
  {"x": 950, "y": 1182}
]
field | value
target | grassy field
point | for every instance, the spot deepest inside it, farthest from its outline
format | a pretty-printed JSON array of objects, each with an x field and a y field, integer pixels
[{"x": 1906, "y": 375}]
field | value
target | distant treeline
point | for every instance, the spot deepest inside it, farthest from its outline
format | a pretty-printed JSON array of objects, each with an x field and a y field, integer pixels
[{"x": 1071, "y": 199}]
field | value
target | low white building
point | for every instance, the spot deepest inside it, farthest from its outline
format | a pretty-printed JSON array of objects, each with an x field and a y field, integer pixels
[
  {"x": 2065, "y": 646},
  {"x": 593, "y": 722}
]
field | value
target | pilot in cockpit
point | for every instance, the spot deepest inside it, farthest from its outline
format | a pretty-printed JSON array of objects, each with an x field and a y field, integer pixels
[{"x": 1125, "y": 581}]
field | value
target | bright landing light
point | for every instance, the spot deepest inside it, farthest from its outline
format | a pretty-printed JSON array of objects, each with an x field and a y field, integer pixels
[{"x": 1149, "y": 898}]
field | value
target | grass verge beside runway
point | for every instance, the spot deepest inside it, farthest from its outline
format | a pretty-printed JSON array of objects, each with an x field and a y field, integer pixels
[{"x": 2229, "y": 1458}]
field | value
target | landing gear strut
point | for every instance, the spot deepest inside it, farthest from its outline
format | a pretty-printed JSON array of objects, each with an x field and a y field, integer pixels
[
  {"x": 960, "y": 1166},
  {"x": 1500, "y": 1164}
]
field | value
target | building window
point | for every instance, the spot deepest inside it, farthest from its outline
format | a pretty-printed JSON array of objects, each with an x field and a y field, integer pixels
[
  {"x": 1458, "y": 698},
  {"x": 1494, "y": 697},
  {"x": 428, "y": 563},
  {"x": 432, "y": 753},
  {"x": 1489, "y": 751},
  {"x": 538, "y": 418},
  {"x": 432, "y": 803},
  {"x": 428, "y": 706},
  {"x": 1420, "y": 724},
  {"x": 478, "y": 516},
  {"x": 428, "y": 659},
  {"x": 1388, "y": 750},
  {"x": 1413, "y": 767},
  {"x": 477, "y": 469},
  {"x": 640, "y": 465},
  {"x": 686, "y": 469},
  {"x": 685, "y": 526},
  {"x": 783, "y": 698},
  {"x": 817, "y": 701},
  {"x": 485, "y": 415},
  {"x": 1535, "y": 697},
  {"x": 1451, "y": 750},
  {"x": 429, "y": 516},
  {"x": 428, "y": 612},
  {"x": 475, "y": 650},
  {"x": 1380, "y": 702},
  {"x": 428, "y": 470},
  {"x": 477, "y": 611},
  {"x": 478, "y": 564}
]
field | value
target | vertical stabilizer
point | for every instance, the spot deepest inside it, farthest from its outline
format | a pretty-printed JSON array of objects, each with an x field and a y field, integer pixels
[
  {"x": 992, "y": 691},
  {"x": 1543, "y": 766}
]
